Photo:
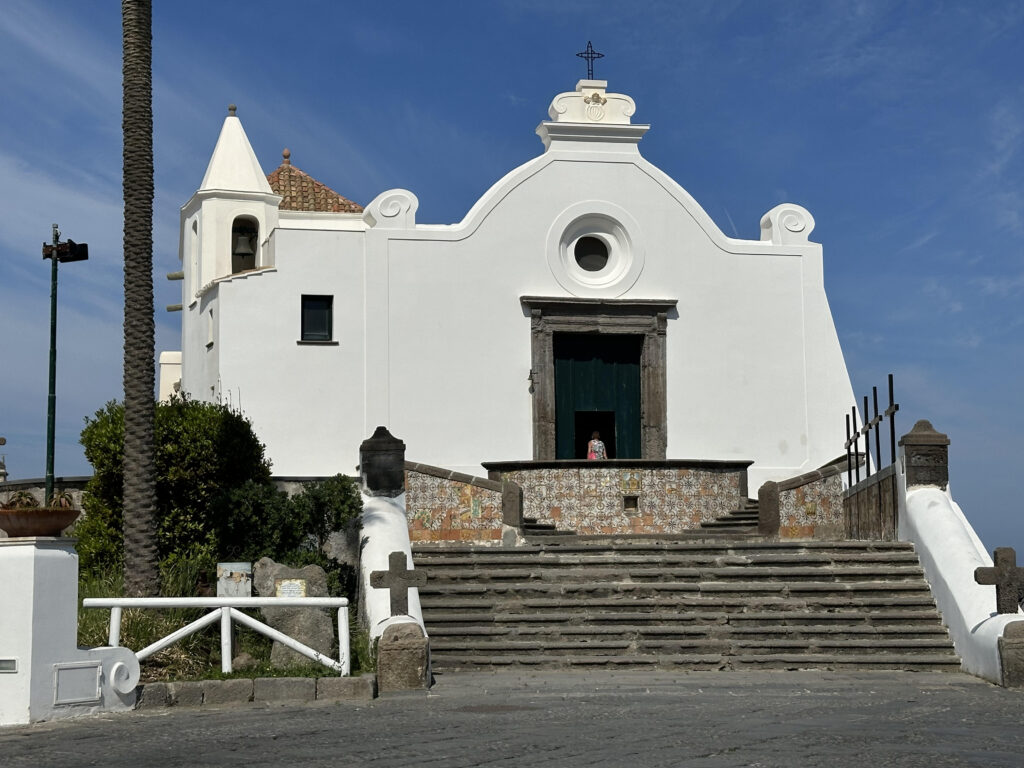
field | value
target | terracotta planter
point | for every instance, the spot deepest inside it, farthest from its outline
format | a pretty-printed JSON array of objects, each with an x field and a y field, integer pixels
[{"x": 37, "y": 521}]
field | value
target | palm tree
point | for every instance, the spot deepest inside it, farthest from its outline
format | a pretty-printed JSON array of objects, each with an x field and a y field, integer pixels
[{"x": 140, "y": 557}]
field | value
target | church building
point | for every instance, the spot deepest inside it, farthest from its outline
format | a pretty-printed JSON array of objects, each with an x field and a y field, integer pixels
[{"x": 586, "y": 291}]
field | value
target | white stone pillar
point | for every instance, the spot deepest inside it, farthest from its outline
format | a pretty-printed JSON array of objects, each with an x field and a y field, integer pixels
[{"x": 44, "y": 675}]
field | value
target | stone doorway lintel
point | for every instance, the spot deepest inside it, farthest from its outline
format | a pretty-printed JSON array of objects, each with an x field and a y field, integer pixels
[{"x": 642, "y": 317}]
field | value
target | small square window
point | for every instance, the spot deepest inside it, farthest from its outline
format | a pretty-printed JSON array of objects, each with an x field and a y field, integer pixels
[{"x": 317, "y": 318}]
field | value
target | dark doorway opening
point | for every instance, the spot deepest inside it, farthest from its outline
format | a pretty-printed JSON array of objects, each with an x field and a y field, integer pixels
[
  {"x": 589, "y": 422},
  {"x": 597, "y": 387}
]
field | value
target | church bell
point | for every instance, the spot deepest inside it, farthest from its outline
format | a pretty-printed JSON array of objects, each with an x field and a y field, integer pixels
[{"x": 243, "y": 246}]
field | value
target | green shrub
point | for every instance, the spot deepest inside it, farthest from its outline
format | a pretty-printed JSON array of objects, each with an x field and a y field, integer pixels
[
  {"x": 204, "y": 453},
  {"x": 327, "y": 505}
]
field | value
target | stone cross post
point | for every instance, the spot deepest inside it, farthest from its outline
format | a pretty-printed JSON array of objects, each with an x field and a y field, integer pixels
[
  {"x": 399, "y": 580},
  {"x": 1007, "y": 577}
]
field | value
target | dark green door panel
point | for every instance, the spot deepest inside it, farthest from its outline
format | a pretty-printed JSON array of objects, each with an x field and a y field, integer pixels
[{"x": 597, "y": 374}]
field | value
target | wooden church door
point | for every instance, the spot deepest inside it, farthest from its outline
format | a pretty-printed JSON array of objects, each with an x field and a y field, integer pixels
[{"x": 597, "y": 388}]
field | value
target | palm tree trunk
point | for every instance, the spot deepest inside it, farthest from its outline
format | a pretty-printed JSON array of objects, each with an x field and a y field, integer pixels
[{"x": 141, "y": 574}]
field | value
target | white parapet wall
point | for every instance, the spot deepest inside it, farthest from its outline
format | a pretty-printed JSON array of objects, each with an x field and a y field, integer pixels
[
  {"x": 385, "y": 530},
  {"x": 950, "y": 551},
  {"x": 44, "y": 675}
]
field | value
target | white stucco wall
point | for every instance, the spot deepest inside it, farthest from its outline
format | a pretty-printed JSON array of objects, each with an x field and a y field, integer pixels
[{"x": 434, "y": 343}]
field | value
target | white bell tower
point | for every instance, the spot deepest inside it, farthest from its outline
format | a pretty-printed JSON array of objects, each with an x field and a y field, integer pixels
[{"x": 225, "y": 233}]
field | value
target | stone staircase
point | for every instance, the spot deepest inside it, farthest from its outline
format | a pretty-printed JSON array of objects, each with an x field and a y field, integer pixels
[
  {"x": 738, "y": 521},
  {"x": 721, "y": 603}
]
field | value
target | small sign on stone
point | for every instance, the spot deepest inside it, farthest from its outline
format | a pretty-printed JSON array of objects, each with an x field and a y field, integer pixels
[
  {"x": 234, "y": 579},
  {"x": 290, "y": 587}
]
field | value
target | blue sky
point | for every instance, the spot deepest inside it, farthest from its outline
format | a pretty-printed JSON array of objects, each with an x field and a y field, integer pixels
[{"x": 899, "y": 125}]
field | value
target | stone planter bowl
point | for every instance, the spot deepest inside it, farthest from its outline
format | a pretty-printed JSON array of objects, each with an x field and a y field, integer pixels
[{"x": 36, "y": 521}]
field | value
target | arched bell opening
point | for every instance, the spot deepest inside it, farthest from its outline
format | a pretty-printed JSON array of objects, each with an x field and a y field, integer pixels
[{"x": 245, "y": 232}]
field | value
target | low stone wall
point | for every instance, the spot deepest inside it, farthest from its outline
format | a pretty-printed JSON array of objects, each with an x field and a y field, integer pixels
[
  {"x": 446, "y": 506},
  {"x": 37, "y": 485},
  {"x": 626, "y": 496},
  {"x": 808, "y": 506}
]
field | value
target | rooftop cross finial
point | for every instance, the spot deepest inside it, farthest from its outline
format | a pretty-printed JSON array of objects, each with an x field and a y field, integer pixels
[{"x": 590, "y": 54}]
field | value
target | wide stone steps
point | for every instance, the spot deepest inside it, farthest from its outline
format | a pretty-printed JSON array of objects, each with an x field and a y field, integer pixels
[
  {"x": 636, "y": 572},
  {"x": 725, "y": 646},
  {"x": 709, "y": 661},
  {"x": 673, "y": 602}
]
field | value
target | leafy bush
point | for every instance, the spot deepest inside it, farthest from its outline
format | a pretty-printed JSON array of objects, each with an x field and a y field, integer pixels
[
  {"x": 325, "y": 506},
  {"x": 215, "y": 499},
  {"x": 204, "y": 453}
]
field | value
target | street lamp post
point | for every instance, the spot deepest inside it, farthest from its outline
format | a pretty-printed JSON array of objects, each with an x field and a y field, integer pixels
[{"x": 57, "y": 252}]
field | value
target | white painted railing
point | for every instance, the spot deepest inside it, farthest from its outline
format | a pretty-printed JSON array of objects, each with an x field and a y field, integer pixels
[{"x": 226, "y": 609}]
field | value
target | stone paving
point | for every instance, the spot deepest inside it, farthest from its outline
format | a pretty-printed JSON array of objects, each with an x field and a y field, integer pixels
[{"x": 560, "y": 719}]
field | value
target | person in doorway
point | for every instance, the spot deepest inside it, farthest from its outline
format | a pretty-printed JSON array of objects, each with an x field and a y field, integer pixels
[{"x": 595, "y": 448}]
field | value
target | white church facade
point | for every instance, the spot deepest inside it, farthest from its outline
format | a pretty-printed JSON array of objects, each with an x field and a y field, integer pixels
[{"x": 584, "y": 291}]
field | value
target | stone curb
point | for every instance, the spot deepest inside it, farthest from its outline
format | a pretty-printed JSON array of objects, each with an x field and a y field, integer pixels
[{"x": 261, "y": 690}]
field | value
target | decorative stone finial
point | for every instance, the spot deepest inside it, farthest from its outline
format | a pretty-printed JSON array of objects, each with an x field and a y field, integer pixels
[
  {"x": 231, "y": 110},
  {"x": 591, "y": 103},
  {"x": 787, "y": 224},
  {"x": 923, "y": 433},
  {"x": 382, "y": 464},
  {"x": 927, "y": 455},
  {"x": 287, "y": 155}
]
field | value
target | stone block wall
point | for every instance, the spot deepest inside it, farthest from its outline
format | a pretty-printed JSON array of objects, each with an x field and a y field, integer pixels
[
  {"x": 626, "y": 497},
  {"x": 446, "y": 506}
]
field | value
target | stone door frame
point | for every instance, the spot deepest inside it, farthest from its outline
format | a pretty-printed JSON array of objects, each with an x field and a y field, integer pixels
[{"x": 639, "y": 317}]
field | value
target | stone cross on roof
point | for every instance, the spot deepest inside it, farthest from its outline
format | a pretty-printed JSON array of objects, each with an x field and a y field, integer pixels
[
  {"x": 399, "y": 581},
  {"x": 1007, "y": 577}
]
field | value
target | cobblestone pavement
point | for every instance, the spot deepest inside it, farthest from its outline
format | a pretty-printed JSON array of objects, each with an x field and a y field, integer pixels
[{"x": 790, "y": 719}]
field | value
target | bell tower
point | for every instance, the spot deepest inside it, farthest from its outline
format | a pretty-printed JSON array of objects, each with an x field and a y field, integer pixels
[{"x": 226, "y": 224}]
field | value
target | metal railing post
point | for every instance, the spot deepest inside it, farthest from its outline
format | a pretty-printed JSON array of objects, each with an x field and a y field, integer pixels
[
  {"x": 225, "y": 640},
  {"x": 344, "y": 643},
  {"x": 114, "y": 636}
]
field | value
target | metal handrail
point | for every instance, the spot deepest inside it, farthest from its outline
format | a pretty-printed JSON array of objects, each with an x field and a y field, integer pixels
[{"x": 226, "y": 609}]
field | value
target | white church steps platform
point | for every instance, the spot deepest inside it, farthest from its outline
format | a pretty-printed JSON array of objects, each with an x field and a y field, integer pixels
[{"x": 684, "y": 604}]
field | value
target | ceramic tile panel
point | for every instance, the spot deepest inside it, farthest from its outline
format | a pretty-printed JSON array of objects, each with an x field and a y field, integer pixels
[
  {"x": 814, "y": 510},
  {"x": 439, "y": 509},
  {"x": 591, "y": 500}
]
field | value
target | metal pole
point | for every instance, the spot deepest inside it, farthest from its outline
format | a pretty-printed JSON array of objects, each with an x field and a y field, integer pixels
[
  {"x": 877, "y": 422},
  {"x": 891, "y": 413},
  {"x": 856, "y": 443},
  {"x": 51, "y": 402},
  {"x": 849, "y": 458},
  {"x": 866, "y": 431}
]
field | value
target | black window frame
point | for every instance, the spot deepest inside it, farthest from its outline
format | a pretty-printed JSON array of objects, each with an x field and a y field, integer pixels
[{"x": 306, "y": 333}]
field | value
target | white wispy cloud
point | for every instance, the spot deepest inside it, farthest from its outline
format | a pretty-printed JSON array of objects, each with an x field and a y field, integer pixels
[
  {"x": 1000, "y": 286},
  {"x": 942, "y": 295}
]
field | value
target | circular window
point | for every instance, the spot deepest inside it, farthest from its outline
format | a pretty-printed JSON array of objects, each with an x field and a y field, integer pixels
[
  {"x": 594, "y": 249},
  {"x": 591, "y": 253}
]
